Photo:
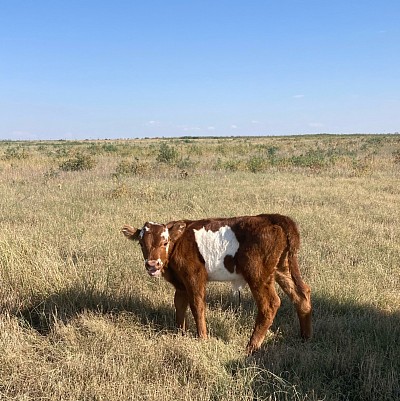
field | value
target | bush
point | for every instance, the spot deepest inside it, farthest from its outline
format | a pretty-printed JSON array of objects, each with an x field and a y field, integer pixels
[
  {"x": 196, "y": 150},
  {"x": 167, "y": 154},
  {"x": 271, "y": 151},
  {"x": 94, "y": 149},
  {"x": 227, "y": 165},
  {"x": 312, "y": 159},
  {"x": 126, "y": 167},
  {"x": 62, "y": 152},
  {"x": 255, "y": 164},
  {"x": 110, "y": 148},
  {"x": 15, "y": 152},
  {"x": 185, "y": 163},
  {"x": 78, "y": 163},
  {"x": 99, "y": 149}
]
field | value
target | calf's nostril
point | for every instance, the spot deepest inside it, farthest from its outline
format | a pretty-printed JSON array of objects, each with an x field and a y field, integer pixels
[{"x": 152, "y": 263}]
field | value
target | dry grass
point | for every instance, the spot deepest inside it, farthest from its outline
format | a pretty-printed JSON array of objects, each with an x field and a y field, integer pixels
[{"x": 80, "y": 320}]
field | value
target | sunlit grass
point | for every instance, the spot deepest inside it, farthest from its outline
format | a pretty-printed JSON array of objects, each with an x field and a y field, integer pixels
[{"x": 81, "y": 320}]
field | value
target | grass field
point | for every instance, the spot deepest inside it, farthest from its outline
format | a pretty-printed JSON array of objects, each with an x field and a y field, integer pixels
[{"x": 81, "y": 320}]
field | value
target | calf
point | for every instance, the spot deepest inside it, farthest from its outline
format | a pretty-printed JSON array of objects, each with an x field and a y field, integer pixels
[{"x": 257, "y": 250}]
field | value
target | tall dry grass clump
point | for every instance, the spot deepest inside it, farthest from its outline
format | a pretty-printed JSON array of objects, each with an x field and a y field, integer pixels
[{"x": 80, "y": 319}]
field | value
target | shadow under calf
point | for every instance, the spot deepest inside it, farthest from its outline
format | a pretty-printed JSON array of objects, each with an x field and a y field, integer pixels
[
  {"x": 68, "y": 304},
  {"x": 354, "y": 354}
]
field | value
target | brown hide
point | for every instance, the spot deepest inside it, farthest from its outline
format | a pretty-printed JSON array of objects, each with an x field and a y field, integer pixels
[{"x": 263, "y": 249}]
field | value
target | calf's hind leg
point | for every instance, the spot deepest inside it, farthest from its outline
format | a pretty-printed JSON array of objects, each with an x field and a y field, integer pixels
[
  {"x": 289, "y": 278},
  {"x": 268, "y": 302}
]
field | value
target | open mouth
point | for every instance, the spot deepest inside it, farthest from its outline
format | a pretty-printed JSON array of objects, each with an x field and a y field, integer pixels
[{"x": 153, "y": 272}]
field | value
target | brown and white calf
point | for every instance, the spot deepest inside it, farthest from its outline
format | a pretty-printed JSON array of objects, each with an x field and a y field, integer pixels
[{"x": 257, "y": 250}]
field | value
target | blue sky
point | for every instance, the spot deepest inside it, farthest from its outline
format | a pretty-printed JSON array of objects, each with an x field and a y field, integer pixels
[{"x": 124, "y": 69}]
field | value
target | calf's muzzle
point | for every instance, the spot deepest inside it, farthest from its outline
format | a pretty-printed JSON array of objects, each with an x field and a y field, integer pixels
[{"x": 154, "y": 267}]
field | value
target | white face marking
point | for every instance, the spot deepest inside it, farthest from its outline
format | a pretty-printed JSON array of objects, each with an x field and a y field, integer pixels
[
  {"x": 165, "y": 234},
  {"x": 214, "y": 247},
  {"x": 147, "y": 229}
]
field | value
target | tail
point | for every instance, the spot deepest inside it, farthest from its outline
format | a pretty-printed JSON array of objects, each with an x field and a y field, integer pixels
[
  {"x": 292, "y": 233},
  {"x": 290, "y": 229},
  {"x": 289, "y": 278}
]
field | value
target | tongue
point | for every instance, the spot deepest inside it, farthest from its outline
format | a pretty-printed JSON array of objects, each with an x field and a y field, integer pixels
[{"x": 153, "y": 271}]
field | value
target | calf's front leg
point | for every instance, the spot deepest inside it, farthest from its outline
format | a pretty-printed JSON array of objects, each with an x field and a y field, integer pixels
[
  {"x": 198, "y": 307},
  {"x": 181, "y": 303}
]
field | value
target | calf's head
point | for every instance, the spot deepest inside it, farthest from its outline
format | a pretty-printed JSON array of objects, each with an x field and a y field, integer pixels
[{"x": 156, "y": 241}]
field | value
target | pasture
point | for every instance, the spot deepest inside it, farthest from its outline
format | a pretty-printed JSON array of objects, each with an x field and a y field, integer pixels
[{"x": 81, "y": 320}]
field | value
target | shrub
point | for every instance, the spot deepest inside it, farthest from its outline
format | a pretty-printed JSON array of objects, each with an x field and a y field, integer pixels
[
  {"x": 185, "y": 163},
  {"x": 126, "y": 167},
  {"x": 195, "y": 150},
  {"x": 272, "y": 155},
  {"x": 271, "y": 151},
  {"x": 95, "y": 149},
  {"x": 167, "y": 154},
  {"x": 78, "y": 163},
  {"x": 62, "y": 152},
  {"x": 255, "y": 164},
  {"x": 98, "y": 149},
  {"x": 312, "y": 159},
  {"x": 231, "y": 165},
  {"x": 396, "y": 156},
  {"x": 15, "y": 152},
  {"x": 110, "y": 147},
  {"x": 227, "y": 165}
]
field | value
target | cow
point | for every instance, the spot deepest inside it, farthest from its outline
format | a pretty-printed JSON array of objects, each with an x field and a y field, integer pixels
[{"x": 253, "y": 250}]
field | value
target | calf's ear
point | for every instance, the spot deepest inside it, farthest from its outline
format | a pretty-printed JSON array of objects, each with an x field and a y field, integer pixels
[
  {"x": 176, "y": 229},
  {"x": 130, "y": 232}
]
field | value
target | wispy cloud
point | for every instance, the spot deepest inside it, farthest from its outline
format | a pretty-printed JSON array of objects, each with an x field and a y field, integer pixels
[
  {"x": 255, "y": 122},
  {"x": 152, "y": 123},
  {"x": 188, "y": 129},
  {"x": 211, "y": 128},
  {"x": 233, "y": 126},
  {"x": 298, "y": 96}
]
